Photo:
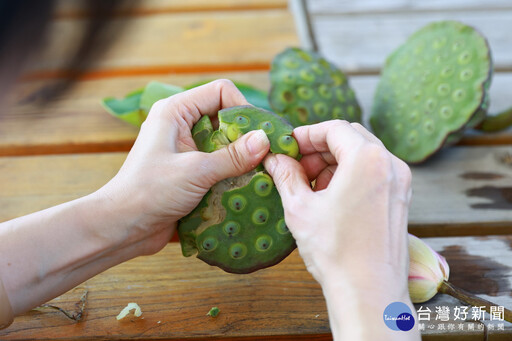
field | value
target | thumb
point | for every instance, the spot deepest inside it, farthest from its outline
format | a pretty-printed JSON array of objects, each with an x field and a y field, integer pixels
[
  {"x": 238, "y": 157},
  {"x": 288, "y": 175}
]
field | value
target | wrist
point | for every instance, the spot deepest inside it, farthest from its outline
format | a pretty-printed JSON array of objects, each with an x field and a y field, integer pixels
[{"x": 356, "y": 307}]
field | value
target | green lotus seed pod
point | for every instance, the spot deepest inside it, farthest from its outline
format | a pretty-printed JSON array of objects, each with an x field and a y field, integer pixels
[
  {"x": 307, "y": 89},
  {"x": 432, "y": 88},
  {"x": 239, "y": 225}
]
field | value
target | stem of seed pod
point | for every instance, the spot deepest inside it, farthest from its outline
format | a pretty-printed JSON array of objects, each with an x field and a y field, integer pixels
[
  {"x": 469, "y": 298},
  {"x": 498, "y": 122}
]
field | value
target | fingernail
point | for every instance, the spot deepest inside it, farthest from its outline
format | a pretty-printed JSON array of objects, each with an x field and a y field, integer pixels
[{"x": 257, "y": 142}]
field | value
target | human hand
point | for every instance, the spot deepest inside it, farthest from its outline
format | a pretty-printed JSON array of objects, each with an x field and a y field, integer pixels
[
  {"x": 351, "y": 228},
  {"x": 164, "y": 176}
]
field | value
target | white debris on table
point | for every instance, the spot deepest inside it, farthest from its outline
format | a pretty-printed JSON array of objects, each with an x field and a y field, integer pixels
[{"x": 126, "y": 310}]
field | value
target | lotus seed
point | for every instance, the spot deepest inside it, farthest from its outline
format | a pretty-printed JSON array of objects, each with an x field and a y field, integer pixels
[
  {"x": 242, "y": 121},
  {"x": 288, "y": 96},
  {"x": 443, "y": 89},
  {"x": 320, "y": 108},
  {"x": 466, "y": 74},
  {"x": 260, "y": 216},
  {"x": 307, "y": 76},
  {"x": 267, "y": 127},
  {"x": 324, "y": 91},
  {"x": 446, "y": 111},
  {"x": 281, "y": 227},
  {"x": 305, "y": 93},
  {"x": 237, "y": 251},
  {"x": 209, "y": 244},
  {"x": 237, "y": 203},
  {"x": 231, "y": 228},
  {"x": 263, "y": 186},
  {"x": 458, "y": 95},
  {"x": 464, "y": 57},
  {"x": 263, "y": 243}
]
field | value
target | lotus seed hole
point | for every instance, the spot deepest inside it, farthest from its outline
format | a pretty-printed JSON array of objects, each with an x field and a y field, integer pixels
[
  {"x": 317, "y": 69},
  {"x": 447, "y": 72},
  {"x": 464, "y": 57},
  {"x": 263, "y": 243},
  {"x": 267, "y": 127},
  {"x": 466, "y": 74},
  {"x": 339, "y": 95},
  {"x": 458, "y": 95},
  {"x": 260, "y": 216},
  {"x": 320, "y": 108},
  {"x": 281, "y": 227},
  {"x": 443, "y": 89},
  {"x": 209, "y": 244},
  {"x": 241, "y": 121},
  {"x": 337, "y": 112},
  {"x": 237, "y": 203},
  {"x": 263, "y": 186},
  {"x": 288, "y": 96},
  {"x": 307, "y": 76},
  {"x": 324, "y": 91},
  {"x": 305, "y": 93},
  {"x": 446, "y": 111},
  {"x": 302, "y": 114},
  {"x": 231, "y": 228},
  {"x": 412, "y": 138},
  {"x": 237, "y": 251}
]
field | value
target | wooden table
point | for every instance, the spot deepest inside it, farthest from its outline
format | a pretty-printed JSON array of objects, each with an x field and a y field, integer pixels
[{"x": 462, "y": 197}]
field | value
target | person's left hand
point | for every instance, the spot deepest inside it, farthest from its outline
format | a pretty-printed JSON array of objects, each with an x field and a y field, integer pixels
[{"x": 164, "y": 176}]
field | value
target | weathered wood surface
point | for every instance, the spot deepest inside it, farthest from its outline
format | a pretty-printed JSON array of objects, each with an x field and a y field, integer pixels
[
  {"x": 360, "y": 43},
  {"x": 283, "y": 302},
  {"x": 74, "y": 8},
  {"x": 372, "y": 6},
  {"x": 462, "y": 191},
  {"x": 155, "y": 42}
]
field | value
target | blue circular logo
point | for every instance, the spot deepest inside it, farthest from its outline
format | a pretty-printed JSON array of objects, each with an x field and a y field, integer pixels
[{"x": 398, "y": 316}]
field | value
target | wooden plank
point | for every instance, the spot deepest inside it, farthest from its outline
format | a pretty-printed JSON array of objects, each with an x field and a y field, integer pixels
[
  {"x": 372, "y": 6},
  {"x": 76, "y": 122},
  {"x": 480, "y": 265},
  {"x": 282, "y": 302},
  {"x": 175, "y": 42},
  {"x": 175, "y": 293},
  {"x": 361, "y": 43},
  {"x": 74, "y": 8},
  {"x": 461, "y": 191}
]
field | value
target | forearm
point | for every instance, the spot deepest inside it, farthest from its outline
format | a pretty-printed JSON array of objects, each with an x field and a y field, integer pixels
[
  {"x": 356, "y": 311},
  {"x": 44, "y": 254}
]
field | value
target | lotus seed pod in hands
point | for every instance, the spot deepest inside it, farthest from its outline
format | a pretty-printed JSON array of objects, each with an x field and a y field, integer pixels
[
  {"x": 427, "y": 270},
  {"x": 239, "y": 225}
]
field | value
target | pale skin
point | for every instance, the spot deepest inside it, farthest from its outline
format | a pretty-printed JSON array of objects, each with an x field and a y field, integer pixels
[{"x": 350, "y": 229}]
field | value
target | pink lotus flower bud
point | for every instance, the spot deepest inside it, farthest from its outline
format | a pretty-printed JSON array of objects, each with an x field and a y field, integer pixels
[{"x": 427, "y": 270}]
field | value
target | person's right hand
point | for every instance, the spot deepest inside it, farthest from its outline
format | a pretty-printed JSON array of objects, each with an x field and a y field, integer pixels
[{"x": 351, "y": 228}]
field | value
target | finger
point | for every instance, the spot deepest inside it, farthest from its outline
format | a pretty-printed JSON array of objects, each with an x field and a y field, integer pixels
[
  {"x": 289, "y": 177},
  {"x": 337, "y": 137},
  {"x": 206, "y": 99},
  {"x": 324, "y": 178},
  {"x": 236, "y": 158},
  {"x": 366, "y": 133},
  {"x": 314, "y": 164}
]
